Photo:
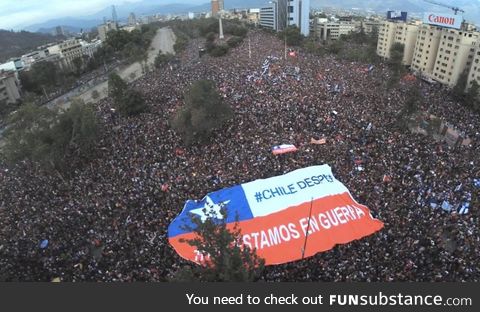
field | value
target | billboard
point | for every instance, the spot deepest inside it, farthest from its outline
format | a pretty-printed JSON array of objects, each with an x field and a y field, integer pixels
[
  {"x": 275, "y": 215},
  {"x": 443, "y": 20},
  {"x": 397, "y": 16}
]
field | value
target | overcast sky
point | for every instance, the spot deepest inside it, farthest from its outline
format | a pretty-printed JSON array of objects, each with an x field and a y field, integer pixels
[{"x": 21, "y": 13}]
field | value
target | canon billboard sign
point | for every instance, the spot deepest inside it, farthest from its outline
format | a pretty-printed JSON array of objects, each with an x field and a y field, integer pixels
[{"x": 444, "y": 20}]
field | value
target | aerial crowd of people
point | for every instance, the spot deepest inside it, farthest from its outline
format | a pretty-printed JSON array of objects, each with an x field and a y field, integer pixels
[{"x": 107, "y": 219}]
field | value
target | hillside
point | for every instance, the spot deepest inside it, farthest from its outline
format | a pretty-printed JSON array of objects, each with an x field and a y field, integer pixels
[{"x": 14, "y": 44}]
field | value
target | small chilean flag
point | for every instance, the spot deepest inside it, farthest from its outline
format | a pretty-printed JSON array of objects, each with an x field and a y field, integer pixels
[{"x": 284, "y": 148}]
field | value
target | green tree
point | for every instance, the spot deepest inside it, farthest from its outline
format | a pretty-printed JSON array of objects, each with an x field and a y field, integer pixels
[
  {"x": 78, "y": 65},
  {"x": 413, "y": 101},
  {"x": 42, "y": 75},
  {"x": 234, "y": 41},
  {"x": 95, "y": 94},
  {"x": 458, "y": 90},
  {"x": 181, "y": 42},
  {"x": 77, "y": 129},
  {"x": 293, "y": 35},
  {"x": 162, "y": 59},
  {"x": 49, "y": 138},
  {"x": 128, "y": 102},
  {"x": 410, "y": 107},
  {"x": 203, "y": 112},
  {"x": 335, "y": 47},
  {"x": 131, "y": 104},
  {"x": 228, "y": 260},
  {"x": 219, "y": 50},
  {"x": 235, "y": 30},
  {"x": 396, "y": 57},
  {"x": 471, "y": 97},
  {"x": 28, "y": 135},
  {"x": 116, "y": 86}
]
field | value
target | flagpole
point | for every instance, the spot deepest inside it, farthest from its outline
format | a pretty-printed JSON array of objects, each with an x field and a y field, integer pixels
[{"x": 308, "y": 230}]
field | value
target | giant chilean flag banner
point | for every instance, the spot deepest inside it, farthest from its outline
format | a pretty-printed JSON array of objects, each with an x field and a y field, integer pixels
[{"x": 275, "y": 214}]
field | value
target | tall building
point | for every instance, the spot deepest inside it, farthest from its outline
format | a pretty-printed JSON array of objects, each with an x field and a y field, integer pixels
[
  {"x": 333, "y": 30},
  {"x": 455, "y": 55},
  {"x": 215, "y": 7},
  {"x": 426, "y": 49},
  {"x": 282, "y": 14},
  {"x": 474, "y": 73},
  {"x": 132, "y": 20},
  {"x": 268, "y": 17},
  {"x": 290, "y": 13},
  {"x": 9, "y": 87},
  {"x": 68, "y": 51},
  {"x": 397, "y": 32},
  {"x": 105, "y": 28},
  {"x": 221, "y": 6},
  {"x": 305, "y": 17},
  {"x": 59, "y": 31},
  {"x": 442, "y": 48}
]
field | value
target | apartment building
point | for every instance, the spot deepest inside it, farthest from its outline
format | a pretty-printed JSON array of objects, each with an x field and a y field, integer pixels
[
  {"x": 426, "y": 49},
  {"x": 455, "y": 55},
  {"x": 474, "y": 73},
  {"x": 397, "y": 32},
  {"x": 68, "y": 51},
  {"x": 268, "y": 17},
  {"x": 386, "y": 37},
  {"x": 9, "y": 87}
]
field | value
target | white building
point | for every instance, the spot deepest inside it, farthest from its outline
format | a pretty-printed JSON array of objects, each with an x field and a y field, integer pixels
[
  {"x": 132, "y": 20},
  {"x": 299, "y": 15},
  {"x": 9, "y": 87},
  {"x": 105, "y": 28},
  {"x": 333, "y": 30},
  {"x": 89, "y": 48},
  {"x": 12, "y": 65},
  {"x": 400, "y": 32},
  {"x": 68, "y": 51},
  {"x": 268, "y": 17}
]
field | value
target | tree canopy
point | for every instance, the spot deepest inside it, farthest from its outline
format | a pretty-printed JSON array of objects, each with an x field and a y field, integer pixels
[
  {"x": 127, "y": 101},
  {"x": 41, "y": 75},
  {"x": 293, "y": 35},
  {"x": 49, "y": 137},
  {"x": 203, "y": 111},
  {"x": 228, "y": 260}
]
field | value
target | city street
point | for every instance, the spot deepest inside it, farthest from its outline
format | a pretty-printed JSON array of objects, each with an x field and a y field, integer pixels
[{"x": 163, "y": 41}]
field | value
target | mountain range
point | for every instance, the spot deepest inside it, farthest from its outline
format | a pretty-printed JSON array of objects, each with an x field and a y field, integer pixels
[
  {"x": 145, "y": 7},
  {"x": 148, "y": 7}
]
